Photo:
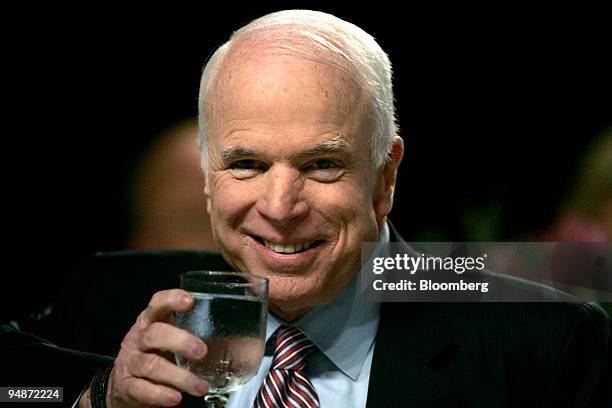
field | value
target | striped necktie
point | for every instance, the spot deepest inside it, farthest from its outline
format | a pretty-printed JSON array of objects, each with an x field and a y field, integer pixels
[{"x": 286, "y": 384}]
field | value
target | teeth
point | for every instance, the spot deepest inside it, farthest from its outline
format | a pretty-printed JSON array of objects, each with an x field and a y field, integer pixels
[{"x": 287, "y": 248}]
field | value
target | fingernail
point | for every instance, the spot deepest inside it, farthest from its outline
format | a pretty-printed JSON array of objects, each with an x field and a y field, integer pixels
[
  {"x": 185, "y": 299},
  {"x": 174, "y": 398},
  {"x": 201, "y": 387},
  {"x": 198, "y": 350}
]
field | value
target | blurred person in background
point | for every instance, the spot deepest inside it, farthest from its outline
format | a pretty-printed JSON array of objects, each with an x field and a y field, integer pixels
[
  {"x": 586, "y": 215},
  {"x": 166, "y": 205}
]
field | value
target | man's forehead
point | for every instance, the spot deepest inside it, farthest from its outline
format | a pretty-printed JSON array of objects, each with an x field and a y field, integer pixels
[{"x": 286, "y": 92}]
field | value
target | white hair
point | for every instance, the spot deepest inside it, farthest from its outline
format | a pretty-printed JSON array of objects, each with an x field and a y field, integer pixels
[{"x": 320, "y": 37}]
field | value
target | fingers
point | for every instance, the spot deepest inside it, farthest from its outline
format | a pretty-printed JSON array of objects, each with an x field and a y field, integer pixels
[
  {"x": 141, "y": 392},
  {"x": 141, "y": 377},
  {"x": 158, "y": 370},
  {"x": 164, "y": 337},
  {"x": 163, "y": 304}
]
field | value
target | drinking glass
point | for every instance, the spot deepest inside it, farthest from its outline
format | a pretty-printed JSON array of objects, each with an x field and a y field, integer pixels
[{"x": 229, "y": 315}]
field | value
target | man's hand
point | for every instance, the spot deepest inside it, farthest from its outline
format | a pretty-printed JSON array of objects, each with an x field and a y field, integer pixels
[{"x": 141, "y": 376}]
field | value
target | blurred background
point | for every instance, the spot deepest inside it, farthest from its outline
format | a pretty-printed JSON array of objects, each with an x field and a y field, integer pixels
[{"x": 506, "y": 116}]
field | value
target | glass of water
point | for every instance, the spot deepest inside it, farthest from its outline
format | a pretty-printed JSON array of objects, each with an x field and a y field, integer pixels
[{"x": 229, "y": 315}]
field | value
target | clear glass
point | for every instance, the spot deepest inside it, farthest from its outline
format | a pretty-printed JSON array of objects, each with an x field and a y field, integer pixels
[{"x": 229, "y": 315}]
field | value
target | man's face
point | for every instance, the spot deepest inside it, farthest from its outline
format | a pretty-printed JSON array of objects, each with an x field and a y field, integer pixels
[{"x": 291, "y": 192}]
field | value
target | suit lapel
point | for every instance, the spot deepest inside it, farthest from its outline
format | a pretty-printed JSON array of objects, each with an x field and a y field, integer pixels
[{"x": 413, "y": 345}]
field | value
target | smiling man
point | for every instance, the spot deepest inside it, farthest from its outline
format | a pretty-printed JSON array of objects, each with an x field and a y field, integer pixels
[
  {"x": 300, "y": 150},
  {"x": 300, "y": 153},
  {"x": 291, "y": 188},
  {"x": 288, "y": 127}
]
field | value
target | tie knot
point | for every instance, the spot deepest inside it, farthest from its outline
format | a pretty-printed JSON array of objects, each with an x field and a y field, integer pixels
[{"x": 291, "y": 347}]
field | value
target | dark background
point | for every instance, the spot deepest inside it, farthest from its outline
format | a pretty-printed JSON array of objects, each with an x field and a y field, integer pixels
[{"x": 495, "y": 106}]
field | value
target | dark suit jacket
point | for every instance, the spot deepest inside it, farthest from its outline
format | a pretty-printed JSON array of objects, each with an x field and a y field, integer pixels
[{"x": 426, "y": 354}]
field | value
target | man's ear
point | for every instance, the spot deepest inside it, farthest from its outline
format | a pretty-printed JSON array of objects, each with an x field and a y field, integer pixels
[
  {"x": 207, "y": 193},
  {"x": 383, "y": 195}
]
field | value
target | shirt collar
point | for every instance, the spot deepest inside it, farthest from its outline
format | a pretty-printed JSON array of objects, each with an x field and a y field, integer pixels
[{"x": 344, "y": 330}]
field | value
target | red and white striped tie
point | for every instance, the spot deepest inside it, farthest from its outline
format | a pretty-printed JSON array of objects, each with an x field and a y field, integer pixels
[{"x": 286, "y": 384}]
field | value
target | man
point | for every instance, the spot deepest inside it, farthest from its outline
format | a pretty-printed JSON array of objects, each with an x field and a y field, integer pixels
[
  {"x": 163, "y": 213},
  {"x": 288, "y": 156},
  {"x": 300, "y": 151}
]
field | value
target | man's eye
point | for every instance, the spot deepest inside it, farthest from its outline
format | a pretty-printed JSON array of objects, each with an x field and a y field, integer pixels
[
  {"x": 324, "y": 170},
  {"x": 245, "y": 165},
  {"x": 245, "y": 169},
  {"x": 323, "y": 164}
]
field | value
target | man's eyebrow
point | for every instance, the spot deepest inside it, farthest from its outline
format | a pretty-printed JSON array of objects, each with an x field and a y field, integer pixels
[
  {"x": 233, "y": 153},
  {"x": 337, "y": 144}
]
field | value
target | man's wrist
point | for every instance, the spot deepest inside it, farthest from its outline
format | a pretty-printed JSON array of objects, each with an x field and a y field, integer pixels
[{"x": 85, "y": 398}]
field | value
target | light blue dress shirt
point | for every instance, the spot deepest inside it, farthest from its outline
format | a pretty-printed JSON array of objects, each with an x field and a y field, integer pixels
[{"x": 344, "y": 333}]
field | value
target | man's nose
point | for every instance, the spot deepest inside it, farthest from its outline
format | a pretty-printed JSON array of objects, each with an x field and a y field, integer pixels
[{"x": 282, "y": 199}]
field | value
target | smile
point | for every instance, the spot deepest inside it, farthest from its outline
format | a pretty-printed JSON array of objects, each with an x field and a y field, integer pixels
[{"x": 287, "y": 248}]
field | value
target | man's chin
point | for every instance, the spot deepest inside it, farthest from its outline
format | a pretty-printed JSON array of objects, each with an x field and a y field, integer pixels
[
  {"x": 288, "y": 310},
  {"x": 292, "y": 294}
]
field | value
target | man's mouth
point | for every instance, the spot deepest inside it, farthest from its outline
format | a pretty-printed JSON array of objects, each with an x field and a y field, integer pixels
[{"x": 289, "y": 248}]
